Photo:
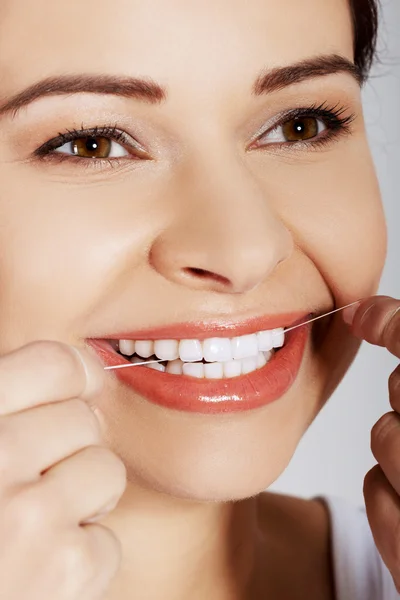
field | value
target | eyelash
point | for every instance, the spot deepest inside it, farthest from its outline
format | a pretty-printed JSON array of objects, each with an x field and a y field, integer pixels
[
  {"x": 336, "y": 121},
  {"x": 46, "y": 152},
  {"x": 333, "y": 118}
]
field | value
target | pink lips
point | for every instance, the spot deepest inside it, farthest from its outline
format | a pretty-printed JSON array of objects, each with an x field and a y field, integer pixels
[{"x": 188, "y": 394}]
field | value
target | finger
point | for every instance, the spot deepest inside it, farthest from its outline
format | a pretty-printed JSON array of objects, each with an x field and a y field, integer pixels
[
  {"x": 106, "y": 551},
  {"x": 44, "y": 372},
  {"x": 377, "y": 320},
  {"x": 33, "y": 440},
  {"x": 385, "y": 446},
  {"x": 394, "y": 389},
  {"x": 88, "y": 557},
  {"x": 85, "y": 484},
  {"x": 383, "y": 510}
]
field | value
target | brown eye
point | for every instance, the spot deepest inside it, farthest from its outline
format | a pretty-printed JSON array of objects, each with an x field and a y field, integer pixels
[
  {"x": 298, "y": 130},
  {"x": 92, "y": 147},
  {"x": 97, "y": 147}
]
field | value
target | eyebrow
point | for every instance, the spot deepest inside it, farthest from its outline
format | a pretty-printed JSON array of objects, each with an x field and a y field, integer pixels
[
  {"x": 146, "y": 90},
  {"x": 320, "y": 66}
]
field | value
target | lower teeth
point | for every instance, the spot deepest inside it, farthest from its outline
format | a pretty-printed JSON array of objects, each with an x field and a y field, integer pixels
[{"x": 204, "y": 370}]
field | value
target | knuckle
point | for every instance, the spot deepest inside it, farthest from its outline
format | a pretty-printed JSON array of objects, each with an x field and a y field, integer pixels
[
  {"x": 371, "y": 481},
  {"x": 394, "y": 383},
  {"x": 381, "y": 430},
  {"x": 391, "y": 332}
]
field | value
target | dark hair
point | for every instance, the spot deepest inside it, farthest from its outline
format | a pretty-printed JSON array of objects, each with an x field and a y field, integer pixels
[{"x": 365, "y": 21}]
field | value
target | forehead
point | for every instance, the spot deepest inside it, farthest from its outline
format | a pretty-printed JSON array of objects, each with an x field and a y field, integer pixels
[{"x": 201, "y": 41}]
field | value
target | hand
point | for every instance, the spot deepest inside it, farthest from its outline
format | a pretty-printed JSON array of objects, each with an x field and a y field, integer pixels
[
  {"x": 377, "y": 320},
  {"x": 56, "y": 478}
]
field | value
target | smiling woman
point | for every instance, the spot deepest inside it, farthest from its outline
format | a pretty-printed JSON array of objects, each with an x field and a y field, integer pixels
[{"x": 178, "y": 181}]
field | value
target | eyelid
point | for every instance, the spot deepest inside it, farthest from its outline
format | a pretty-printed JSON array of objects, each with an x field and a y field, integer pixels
[
  {"x": 322, "y": 112},
  {"x": 269, "y": 126},
  {"x": 112, "y": 132}
]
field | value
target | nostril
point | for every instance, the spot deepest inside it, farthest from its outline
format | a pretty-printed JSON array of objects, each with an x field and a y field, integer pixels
[
  {"x": 204, "y": 274},
  {"x": 197, "y": 272}
]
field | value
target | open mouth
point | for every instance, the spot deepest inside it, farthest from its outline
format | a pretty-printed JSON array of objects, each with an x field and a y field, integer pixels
[
  {"x": 222, "y": 373},
  {"x": 212, "y": 358}
]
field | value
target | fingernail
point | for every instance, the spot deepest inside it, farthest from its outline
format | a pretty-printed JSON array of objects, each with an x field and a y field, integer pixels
[
  {"x": 94, "y": 373},
  {"x": 348, "y": 313}
]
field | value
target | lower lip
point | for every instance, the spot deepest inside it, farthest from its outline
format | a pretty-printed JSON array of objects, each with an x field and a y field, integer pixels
[{"x": 204, "y": 396}]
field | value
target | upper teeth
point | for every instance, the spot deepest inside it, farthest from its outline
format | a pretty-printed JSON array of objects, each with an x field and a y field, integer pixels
[{"x": 211, "y": 350}]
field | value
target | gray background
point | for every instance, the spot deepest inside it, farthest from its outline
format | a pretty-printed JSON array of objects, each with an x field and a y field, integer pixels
[{"x": 335, "y": 455}]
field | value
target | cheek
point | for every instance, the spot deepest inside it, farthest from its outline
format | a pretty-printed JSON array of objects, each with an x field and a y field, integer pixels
[
  {"x": 338, "y": 223},
  {"x": 61, "y": 252},
  {"x": 340, "y": 229}
]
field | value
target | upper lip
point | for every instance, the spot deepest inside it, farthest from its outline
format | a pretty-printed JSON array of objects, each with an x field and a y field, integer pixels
[{"x": 213, "y": 328}]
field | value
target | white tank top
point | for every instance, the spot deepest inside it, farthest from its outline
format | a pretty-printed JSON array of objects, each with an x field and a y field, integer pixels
[{"x": 359, "y": 571}]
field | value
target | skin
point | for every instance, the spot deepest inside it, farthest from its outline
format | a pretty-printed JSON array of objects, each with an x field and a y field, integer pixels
[{"x": 90, "y": 251}]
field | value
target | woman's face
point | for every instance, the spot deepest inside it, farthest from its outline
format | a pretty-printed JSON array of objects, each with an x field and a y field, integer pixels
[{"x": 206, "y": 204}]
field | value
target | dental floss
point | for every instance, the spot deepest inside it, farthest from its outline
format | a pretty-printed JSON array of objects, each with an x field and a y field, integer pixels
[
  {"x": 149, "y": 362},
  {"x": 320, "y": 317}
]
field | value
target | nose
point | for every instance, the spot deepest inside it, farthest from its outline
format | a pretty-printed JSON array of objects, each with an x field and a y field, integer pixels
[{"x": 223, "y": 235}]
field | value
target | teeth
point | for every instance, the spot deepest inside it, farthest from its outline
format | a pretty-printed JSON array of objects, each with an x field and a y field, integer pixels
[
  {"x": 144, "y": 348},
  {"x": 249, "y": 364},
  {"x": 224, "y": 357},
  {"x": 136, "y": 359},
  {"x": 127, "y": 347},
  {"x": 212, "y": 350},
  {"x": 194, "y": 370},
  {"x": 264, "y": 339},
  {"x": 166, "y": 349},
  {"x": 246, "y": 345},
  {"x": 217, "y": 349},
  {"x": 278, "y": 337},
  {"x": 214, "y": 370},
  {"x": 175, "y": 367},
  {"x": 190, "y": 350},
  {"x": 233, "y": 368},
  {"x": 261, "y": 360},
  {"x": 157, "y": 367}
]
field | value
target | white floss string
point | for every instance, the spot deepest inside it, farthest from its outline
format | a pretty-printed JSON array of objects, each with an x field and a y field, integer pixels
[
  {"x": 149, "y": 362},
  {"x": 321, "y": 316}
]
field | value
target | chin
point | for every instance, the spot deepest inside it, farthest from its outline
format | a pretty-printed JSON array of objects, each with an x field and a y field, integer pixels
[
  {"x": 214, "y": 483},
  {"x": 226, "y": 458},
  {"x": 234, "y": 480}
]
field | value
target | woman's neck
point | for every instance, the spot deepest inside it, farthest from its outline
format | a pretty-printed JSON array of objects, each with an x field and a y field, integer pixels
[{"x": 176, "y": 549}]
